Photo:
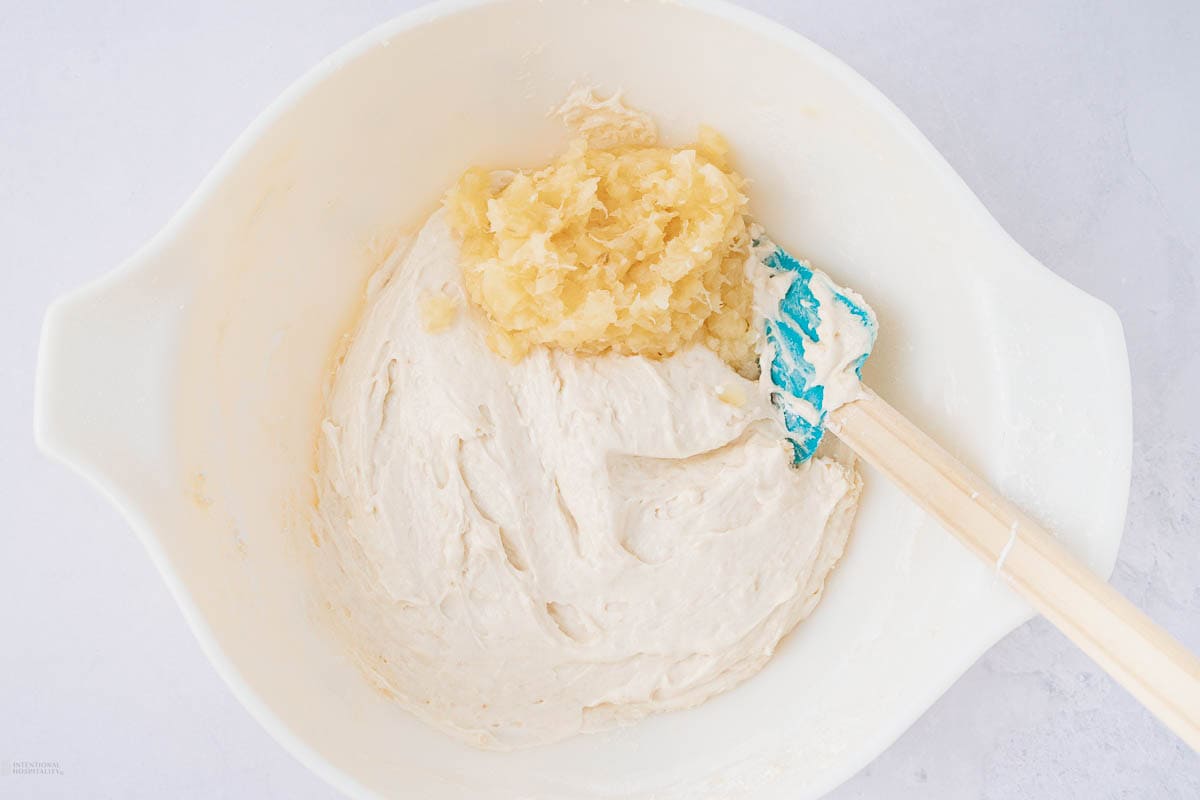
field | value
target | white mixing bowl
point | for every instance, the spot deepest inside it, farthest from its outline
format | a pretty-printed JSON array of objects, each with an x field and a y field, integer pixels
[{"x": 188, "y": 383}]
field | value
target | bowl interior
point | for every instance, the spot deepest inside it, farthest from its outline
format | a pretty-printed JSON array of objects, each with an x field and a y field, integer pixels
[{"x": 979, "y": 344}]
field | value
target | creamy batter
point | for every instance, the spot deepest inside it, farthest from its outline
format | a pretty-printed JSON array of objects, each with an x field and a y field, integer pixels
[{"x": 520, "y": 551}]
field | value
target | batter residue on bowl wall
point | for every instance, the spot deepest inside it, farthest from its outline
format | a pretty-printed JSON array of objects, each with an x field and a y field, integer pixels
[{"x": 522, "y": 546}]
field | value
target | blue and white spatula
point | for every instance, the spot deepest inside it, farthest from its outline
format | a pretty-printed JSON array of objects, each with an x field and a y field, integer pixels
[{"x": 818, "y": 337}]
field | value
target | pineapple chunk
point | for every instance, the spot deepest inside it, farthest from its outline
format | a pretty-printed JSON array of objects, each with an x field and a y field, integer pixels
[{"x": 438, "y": 312}]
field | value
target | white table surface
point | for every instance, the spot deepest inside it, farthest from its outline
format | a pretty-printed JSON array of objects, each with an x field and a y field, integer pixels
[{"x": 1076, "y": 122}]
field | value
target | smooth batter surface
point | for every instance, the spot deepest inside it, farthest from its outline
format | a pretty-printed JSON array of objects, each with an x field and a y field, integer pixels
[{"x": 518, "y": 552}]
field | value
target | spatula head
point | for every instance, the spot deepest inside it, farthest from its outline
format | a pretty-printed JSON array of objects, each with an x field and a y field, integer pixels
[{"x": 818, "y": 337}]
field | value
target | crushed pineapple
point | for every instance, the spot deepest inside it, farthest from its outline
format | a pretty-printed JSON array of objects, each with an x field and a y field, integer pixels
[
  {"x": 631, "y": 248},
  {"x": 731, "y": 394},
  {"x": 438, "y": 312},
  {"x": 607, "y": 123}
]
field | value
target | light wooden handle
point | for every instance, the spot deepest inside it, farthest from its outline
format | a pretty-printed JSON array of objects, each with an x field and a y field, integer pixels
[{"x": 1141, "y": 656}]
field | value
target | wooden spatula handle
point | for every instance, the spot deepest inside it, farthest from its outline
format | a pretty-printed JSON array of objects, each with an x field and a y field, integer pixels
[{"x": 1141, "y": 656}]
